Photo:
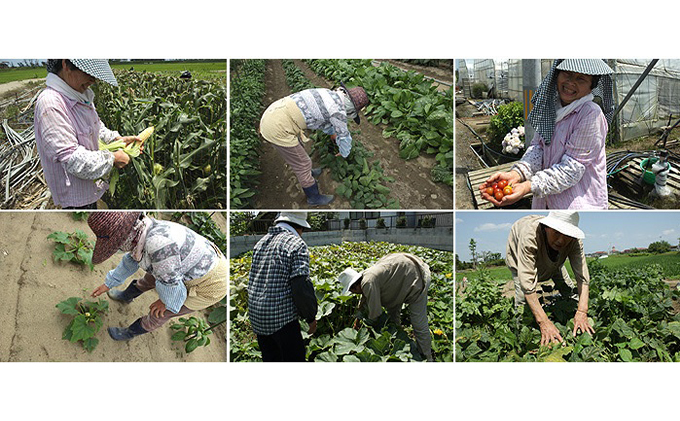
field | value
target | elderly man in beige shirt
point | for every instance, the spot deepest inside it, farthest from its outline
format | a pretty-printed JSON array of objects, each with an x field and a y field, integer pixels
[
  {"x": 394, "y": 280},
  {"x": 537, "y": 249}
]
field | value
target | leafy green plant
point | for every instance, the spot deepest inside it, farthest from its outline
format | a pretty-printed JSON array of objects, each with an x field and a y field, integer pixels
[
  {"x": 86, "y": 322},
  {"x": 80, "y": 216},
  {"x": 509, "y": 116},
  {"x": 247, "y": 93},
  {"x": 346, "y": 222},
  {"x": 380, "y": 223},
  {"x": 363, "y": 182},
  {"x": 362, "y": 224},
  {"x": 412, "y": 109},
  {"x": 401, "y": 222},
  {"x": 479, "y": 89},
  {"x": 193, "y": 331},
  {"x": 73, "y": 247},
  {"x": 631, "y": 311}
]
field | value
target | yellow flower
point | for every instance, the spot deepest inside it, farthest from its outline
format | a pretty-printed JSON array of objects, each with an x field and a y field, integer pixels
[
  {"x": 438, "y": 332},
  {"x": 448, "y": 275}
]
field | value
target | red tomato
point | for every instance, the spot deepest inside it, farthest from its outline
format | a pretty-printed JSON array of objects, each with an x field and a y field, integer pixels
[
  {"x": 489, "y": 191},
  {"x": 502, "y": 184},
  {"x": 495, "y": 186},
  {"x": 507, "y": 190},
  {"x": 498, "y": 194}
]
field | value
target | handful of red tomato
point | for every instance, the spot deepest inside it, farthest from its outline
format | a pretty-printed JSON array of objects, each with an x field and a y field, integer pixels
[{"x": 499, "y": 190}]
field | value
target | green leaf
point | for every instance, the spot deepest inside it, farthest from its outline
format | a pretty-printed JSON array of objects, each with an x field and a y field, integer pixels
[
  {"x": 69, "y": 306},
  {"x": 191, "y": 345},
  {"x": 179, "y": 336},
  {"x": 82, "y": 329}
]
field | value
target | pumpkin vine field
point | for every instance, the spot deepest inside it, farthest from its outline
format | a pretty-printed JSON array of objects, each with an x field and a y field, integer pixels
[
  {"x": 184, "y": 162},
  {"x": 335, "y": 338},
  {"x": 631, "y": 309}
]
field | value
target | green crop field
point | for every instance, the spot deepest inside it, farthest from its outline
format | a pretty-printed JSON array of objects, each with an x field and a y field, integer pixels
[
  {"x": 199, "y": 70},
  {"x": 669, "y": 262}
]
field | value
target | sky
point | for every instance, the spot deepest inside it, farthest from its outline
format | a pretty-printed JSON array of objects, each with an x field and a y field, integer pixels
[{"x": 603, "y": 230}]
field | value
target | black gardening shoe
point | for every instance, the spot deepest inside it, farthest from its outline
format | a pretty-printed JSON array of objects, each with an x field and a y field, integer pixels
[
  {"x": 130, "y": 293},
  {"x": 127, "y": 333}
]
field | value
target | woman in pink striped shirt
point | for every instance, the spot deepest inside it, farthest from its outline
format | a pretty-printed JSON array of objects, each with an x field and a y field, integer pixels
[
  {"x": 565, "y": 167},
  {"x": 68, "y": 130}
]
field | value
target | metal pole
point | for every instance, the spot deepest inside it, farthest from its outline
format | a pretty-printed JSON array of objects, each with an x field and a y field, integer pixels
[
  {"x": 531, "y": 78},
  {"x": 634, "y": 88}
]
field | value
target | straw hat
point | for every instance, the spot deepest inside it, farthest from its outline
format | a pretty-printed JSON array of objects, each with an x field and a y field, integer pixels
[
  {"x": 297, "y": 218},
  {"x": 585, "y": 66},
  {"x": 565, "y": 222},
  {"x": 348, "y": 277},
  {"x": 111, "y": 229},
  {"x": 358, "y": 97}
]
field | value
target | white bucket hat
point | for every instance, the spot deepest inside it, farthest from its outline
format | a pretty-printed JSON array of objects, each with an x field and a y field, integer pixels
[
  {"x": 347, "y": 278},
  {"x": 297, "y": 218},
  {"x": 565, "y": 222}
]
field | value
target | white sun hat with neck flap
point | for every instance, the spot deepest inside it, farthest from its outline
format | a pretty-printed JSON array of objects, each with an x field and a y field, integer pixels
[
  {"x": 348, "y": 277},
  {"x": 565, "y": 222},
  {"x": 297, "y": 218}
]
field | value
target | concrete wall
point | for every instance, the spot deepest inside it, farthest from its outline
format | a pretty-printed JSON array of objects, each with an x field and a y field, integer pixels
[{"x": 434, "y": 238}]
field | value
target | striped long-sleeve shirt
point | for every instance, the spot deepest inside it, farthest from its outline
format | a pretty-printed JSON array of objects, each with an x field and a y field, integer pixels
[
  {"x": 67, "y": 134},
  {"x": 324, "y": 110},
  {"x": 571, "y": 172},
  {"x": 174, "y": 255}
]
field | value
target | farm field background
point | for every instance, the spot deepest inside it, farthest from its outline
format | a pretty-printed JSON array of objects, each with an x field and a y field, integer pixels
[
  {"x": 34, "y": 284},
  {"x": 670, "y": 262},
  {"x": 210, "y": 70},
  {"x": 386, "y": 168},
  {"x": 335, "y": 339}
]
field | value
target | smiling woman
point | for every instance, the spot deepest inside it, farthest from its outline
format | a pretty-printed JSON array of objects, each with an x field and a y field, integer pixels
[
  {"x": 68, "y": 130},
  {"x": 565, "y": 166}
]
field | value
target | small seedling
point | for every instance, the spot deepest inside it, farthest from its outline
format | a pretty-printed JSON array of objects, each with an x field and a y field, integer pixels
[
  {"x": 193, "y": 331},
  {"x": 72, "y": 247},
  {"x": 86, "y": 323},
  {"x": 80, "y": 216}
]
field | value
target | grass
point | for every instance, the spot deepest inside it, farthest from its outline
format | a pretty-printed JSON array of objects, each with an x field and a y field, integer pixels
[
  {"x": 670, "y": 262},
  {"x": 200, "y": 70}
]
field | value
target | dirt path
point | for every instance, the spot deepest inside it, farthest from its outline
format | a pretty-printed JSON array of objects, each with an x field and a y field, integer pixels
[
  {"x": 279, "y": 188},
  {"x": 33, "y": 284},
  {"x": 17, "y": 85},
  {"x": 413, "y": 185}
]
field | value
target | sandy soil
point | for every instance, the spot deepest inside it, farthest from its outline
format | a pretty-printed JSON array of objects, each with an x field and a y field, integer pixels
[
  {"x": 413, "y": 186},
  {"x": 33, "y": 284},
  {"x": 17, "y": 85}
]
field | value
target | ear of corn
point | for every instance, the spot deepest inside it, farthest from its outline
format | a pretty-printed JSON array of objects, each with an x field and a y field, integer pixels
[
  {"x": 133, "y": 149},
  {"x": 146, "y": 133}
]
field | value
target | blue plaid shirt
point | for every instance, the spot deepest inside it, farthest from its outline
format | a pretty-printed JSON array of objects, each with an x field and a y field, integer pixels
[{"x": 278, "y": 256}]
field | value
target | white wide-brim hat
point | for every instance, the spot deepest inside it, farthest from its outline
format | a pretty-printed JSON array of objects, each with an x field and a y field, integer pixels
[
  {"x": 297, "y": 218},
  {"x": 98, "y": 68},
  {"x": 565, "y": 222},
  {"x": 348, "y": 277}
]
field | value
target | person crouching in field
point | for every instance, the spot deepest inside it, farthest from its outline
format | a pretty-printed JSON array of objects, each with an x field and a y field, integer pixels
[
  {"x": 394, "y": 280},
  {"x": 284, "y": 122},
  {"x": 188, "y": 271},
  {"x": 536, "y": 251}
]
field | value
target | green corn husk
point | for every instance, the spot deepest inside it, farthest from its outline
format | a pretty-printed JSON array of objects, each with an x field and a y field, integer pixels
[{"x": 133, "y": 149}]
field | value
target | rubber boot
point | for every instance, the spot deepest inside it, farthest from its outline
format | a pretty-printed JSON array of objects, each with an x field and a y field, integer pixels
[
  {"x": 316, "y": 172},
  {"x": 126, "y": 297},
  {"x": 127, "y": 333},
  {"x": 313, "y": 196}
]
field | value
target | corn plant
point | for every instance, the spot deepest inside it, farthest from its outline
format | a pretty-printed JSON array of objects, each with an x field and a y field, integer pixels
[
  {"x": 86, "y": 322},
  {"x": 184, "y": 162}
]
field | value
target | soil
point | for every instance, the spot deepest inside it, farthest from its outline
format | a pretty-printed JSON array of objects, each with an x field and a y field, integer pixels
[
  {"x": 466, "y": 160},
  {"x": 33, "y": 285},
  {"x": 10, "y": 88},
  {"x": 413, "y": 186}
]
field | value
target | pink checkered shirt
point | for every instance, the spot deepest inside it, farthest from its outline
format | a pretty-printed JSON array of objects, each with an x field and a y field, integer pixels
[
  {"x": 61, "y": 124},
  {"x": 581, "y": 135}
]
